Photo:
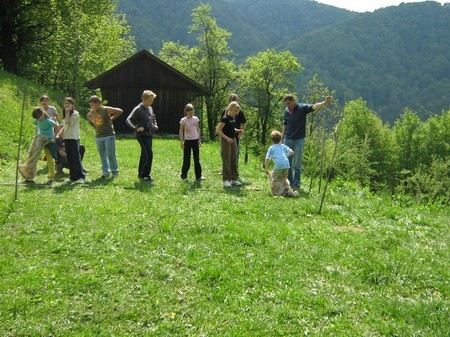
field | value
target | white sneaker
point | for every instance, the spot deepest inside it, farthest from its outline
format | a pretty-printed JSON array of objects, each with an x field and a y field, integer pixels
[
  {"x": 227, "y": 183},
  {"x": 80, "y": 181},
  {"x": 236, "y": 183}
]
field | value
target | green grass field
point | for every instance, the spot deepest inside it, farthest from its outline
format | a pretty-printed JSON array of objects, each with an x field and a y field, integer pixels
[{"x": 120, "y": 257}]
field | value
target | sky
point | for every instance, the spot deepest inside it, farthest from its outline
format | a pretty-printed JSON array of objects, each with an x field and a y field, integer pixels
[{"x": 367, "y": 5}]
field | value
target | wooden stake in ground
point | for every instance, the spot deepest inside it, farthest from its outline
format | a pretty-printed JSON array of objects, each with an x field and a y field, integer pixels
[
  {"x": 18, "y": 148},
  {"x": 338, "y": 131}
]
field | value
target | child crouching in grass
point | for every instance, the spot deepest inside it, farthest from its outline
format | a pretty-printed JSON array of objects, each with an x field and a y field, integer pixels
[
  {"x": 279, "y": 153},
  {"x": 44, "y": 139}
]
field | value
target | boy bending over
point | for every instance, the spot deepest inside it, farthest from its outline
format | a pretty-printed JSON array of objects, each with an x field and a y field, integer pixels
[{"x": 278, "y": 178}]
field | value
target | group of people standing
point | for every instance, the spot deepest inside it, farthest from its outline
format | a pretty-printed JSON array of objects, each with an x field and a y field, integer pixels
[
  {"x": 286, "y": 151},
  {"x": 61, "y": 141},
  {"x": 47, "y": 131}
]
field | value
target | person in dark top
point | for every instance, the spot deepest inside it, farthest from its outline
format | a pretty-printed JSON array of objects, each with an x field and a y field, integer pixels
[
  {"x": 294, "y": 133},
  {"x": 143, "y": 121},
  {"x": 241, "y": 123},
  {"x": 226, "y": 129}
]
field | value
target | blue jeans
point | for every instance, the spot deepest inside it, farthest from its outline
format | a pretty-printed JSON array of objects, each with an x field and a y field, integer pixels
[
  {"x": 295, "y": 161},
  {"x": 107, "y": 150}
]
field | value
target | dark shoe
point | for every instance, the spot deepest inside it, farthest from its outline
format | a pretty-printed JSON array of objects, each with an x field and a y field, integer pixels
[{"x": 58, "y": 169}]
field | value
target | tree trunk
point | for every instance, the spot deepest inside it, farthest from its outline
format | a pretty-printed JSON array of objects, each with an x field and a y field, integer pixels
[{"x": 8, "y": 50}]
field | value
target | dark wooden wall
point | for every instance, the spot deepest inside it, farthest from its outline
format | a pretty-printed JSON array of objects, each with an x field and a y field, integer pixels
[
  {"x": 123, "y": 85},
  {"x": 168, "y": 106}
]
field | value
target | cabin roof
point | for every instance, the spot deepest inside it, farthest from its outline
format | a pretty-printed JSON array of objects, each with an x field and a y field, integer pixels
[{"x": 145, "y": 70}]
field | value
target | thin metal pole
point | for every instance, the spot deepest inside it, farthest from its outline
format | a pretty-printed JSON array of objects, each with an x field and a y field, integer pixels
[{"x": 18, "y": 148}]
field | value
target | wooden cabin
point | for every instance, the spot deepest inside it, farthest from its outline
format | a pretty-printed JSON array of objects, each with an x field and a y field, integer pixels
[{"x": 122, "y": 87}]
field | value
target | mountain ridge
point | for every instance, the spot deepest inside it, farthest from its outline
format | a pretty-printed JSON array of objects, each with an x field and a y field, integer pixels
[{"x": 394, "y": 57}]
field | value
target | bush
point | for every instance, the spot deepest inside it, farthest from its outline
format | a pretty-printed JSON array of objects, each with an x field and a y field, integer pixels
[{"x": 430, "y": 184}]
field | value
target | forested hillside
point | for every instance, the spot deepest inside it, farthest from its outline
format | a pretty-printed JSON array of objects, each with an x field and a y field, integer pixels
[
  {"x": 255, "y": 24},
  {"x": 393, "y": 58}
]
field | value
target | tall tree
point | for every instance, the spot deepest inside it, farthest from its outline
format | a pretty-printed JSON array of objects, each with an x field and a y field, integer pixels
[
  {"x": 362, "y": 131},
  {"x": 264, "y": 80},
  {"x": 208, "y": 62},
  {"x": 91, "y": 38},
  {"x": 435, "y": 138},
  {"x": 22, "y": 24},
  {"x": 62, "y": 43},
  {"x": 406, "y": 139}
]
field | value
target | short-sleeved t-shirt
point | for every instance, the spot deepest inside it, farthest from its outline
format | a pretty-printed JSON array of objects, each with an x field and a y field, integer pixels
[
  {"x": 278, "y": 153},
  {"x": 229, "y": 127},
  {"x": 45, "y": 127},
  {"x": 240, "y": 119},
  {"x": 103, "y": 125},
  {"x": 190, "y": 128},
  {"x": 51, "y": 111}
]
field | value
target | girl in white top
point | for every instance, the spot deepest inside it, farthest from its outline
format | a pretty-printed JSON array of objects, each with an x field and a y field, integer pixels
[
  {"x": 71, "y": 136},
  {"x": 190, "y": 139}
]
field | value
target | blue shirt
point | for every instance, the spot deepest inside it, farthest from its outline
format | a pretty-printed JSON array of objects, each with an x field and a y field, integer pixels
[
  {"x": 45, "y": 127},
  {"x": 278, "y": 153},
  {"x": 295, "y": 121}
]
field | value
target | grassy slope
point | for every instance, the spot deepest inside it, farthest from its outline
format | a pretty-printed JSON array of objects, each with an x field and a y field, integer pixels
[
  {"x": 16, "y": 93},
  {"x": 120, "y": 257}
]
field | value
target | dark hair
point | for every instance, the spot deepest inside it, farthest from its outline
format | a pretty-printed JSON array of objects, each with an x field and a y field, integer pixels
[
  {"x": 289, "y": 97},
  {"x": 37, "y": 112},
  {"x": 44, "y": 97},
  {"x": 95, "y": 99},
  {"x": 71, "y": 101}
]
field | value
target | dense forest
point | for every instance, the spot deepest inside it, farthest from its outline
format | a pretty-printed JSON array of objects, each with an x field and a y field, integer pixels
[{"x": 394, "y": 58}]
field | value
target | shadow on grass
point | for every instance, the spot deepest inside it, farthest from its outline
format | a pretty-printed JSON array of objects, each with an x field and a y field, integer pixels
[
  {"x": 303, "y": 194},
  {"x": 184, "y": 187},
  {"x": 64, "y": 187},
  {"x": 236, "y": 190},
  {"x": 141, "y": 186},
  {"x": 89, "y": 184},
  {"x": 31, "y": 185},
  {"x": 101, "y": 181}
]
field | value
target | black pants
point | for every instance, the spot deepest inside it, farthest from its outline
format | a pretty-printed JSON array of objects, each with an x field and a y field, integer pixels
[
  {"x": 188, "y": 145},
  {"x": 72, "y": 147},
  {"x": 62, "y": 160},
  {"x": 145, "y": 162}
]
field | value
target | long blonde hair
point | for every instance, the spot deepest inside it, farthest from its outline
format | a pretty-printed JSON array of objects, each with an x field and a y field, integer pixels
[{"x": 233, "y": 105}]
